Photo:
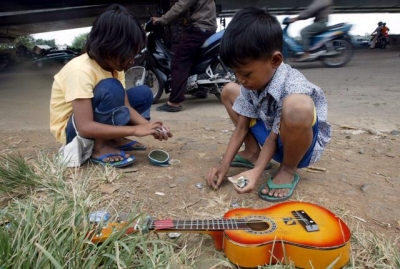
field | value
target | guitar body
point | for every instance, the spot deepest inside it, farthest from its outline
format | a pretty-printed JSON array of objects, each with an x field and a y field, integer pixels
[{"x": 303, "y": 234}]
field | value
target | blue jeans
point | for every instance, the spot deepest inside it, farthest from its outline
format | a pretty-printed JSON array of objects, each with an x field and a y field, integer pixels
[{"x": 109, "y": 104}]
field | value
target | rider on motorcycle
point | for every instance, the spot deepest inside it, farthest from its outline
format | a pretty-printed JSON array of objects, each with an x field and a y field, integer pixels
[
  {"x": 320, "y": 9},
  {"x": 376, "y": 34},
  {"x": 385, "y": 30}
]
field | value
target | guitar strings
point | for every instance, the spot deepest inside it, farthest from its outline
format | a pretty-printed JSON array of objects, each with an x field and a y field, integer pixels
[
  {"x": 237, "y": 220},
  {"x": 226, "y": 222}
]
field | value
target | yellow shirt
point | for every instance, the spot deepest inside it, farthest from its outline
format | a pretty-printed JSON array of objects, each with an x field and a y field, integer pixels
[{"x": 76, "y": 80}]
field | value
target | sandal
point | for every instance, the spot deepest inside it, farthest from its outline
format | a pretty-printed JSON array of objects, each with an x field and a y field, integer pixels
[
  {"x": 272, "y": 185},
  {"x": 167, "y": 108}
]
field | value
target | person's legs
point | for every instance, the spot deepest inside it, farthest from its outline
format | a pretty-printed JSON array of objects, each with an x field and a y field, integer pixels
[
  {"x": 307, "y": 33},
  {"x": 108, "y": 108},
  {"x": 373, "y": 42},
  {"x": 182, "y": 60},
  {"x": 228, "y": 96},
  {"x": 141, "y": 98},
  {"x": 296, "y": 134}
]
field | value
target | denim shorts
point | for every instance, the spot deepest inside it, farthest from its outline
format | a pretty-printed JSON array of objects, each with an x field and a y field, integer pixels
[{"x": 261, "y": 133}]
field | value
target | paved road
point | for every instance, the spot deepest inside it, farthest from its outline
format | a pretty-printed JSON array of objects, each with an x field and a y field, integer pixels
[{"x": 363, "y": 94}]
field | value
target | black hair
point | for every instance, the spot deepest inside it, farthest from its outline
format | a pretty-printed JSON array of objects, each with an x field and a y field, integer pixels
[
  {"x": 116, "y": 35},
  {"x": 252, "y": 34}
]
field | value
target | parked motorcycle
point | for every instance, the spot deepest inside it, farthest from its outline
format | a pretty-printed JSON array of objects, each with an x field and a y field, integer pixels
[
  {"x": 333, "y": 47},
  {"x": 207, "y": 75}
]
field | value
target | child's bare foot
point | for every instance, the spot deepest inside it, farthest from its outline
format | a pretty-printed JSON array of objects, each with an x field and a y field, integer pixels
[{"x": 283, "y": 176}]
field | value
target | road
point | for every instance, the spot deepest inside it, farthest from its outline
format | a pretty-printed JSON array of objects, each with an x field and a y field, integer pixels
[{"x": 363, "y": 94}]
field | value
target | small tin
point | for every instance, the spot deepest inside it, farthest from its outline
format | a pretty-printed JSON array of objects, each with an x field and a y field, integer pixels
[
  {"x": 99, "y": 216},
  {"x": 242, "y": 182}
]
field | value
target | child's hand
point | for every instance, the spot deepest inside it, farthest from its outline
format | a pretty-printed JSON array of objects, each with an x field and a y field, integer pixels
[
  {"x": 162, "y": 133},
  {"x": 149, "y": 128},
  {"x": 216, "y": 176},
  {"x": 251, "y": 179}
]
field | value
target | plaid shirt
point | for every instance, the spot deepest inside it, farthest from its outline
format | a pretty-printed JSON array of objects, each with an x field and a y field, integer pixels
[{"x": 267, "y": 106}]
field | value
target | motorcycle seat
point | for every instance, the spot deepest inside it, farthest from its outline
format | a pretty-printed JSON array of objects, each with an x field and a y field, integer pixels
[
  {"x": 335, "y": 26},
  {"x": 212, "y": 39}
]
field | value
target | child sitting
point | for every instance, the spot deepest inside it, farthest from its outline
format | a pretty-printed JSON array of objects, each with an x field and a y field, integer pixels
[
  {"x": 89, "y": 98},
  {"x": 274, "y": 106}
]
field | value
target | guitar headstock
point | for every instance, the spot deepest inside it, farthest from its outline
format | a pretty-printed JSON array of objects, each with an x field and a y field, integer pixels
[
  {"x": 102, "y": 231},
  {"x": 100, "y": 234}
]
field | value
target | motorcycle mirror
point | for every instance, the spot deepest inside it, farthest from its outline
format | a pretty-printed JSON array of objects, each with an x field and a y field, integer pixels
[{"x": 286, "y": 21}]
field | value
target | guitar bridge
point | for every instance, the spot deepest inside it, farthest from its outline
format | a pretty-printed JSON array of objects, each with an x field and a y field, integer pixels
[{"x": 306, "y": 221}]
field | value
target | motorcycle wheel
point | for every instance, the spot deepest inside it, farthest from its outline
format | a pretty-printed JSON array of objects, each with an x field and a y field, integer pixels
[
  {"x": 382, "y": 44},
  {"x": 345, "y": 50},
  {"x": 133, "y": 78},
  {"x": 3, "y": 61}
]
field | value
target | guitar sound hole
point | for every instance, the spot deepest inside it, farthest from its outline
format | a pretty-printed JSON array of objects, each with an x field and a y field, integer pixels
[{"x": 258, "y": 225}]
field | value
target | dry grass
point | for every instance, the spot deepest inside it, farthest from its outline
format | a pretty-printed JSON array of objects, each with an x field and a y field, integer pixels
[{"x": 47, "y": 206}]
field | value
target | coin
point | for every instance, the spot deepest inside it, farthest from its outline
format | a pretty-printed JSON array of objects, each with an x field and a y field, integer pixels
[{"x": 199, "y": 185}]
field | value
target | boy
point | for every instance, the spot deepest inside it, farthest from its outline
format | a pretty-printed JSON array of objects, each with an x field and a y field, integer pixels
[{"x": 275, "y": 107}]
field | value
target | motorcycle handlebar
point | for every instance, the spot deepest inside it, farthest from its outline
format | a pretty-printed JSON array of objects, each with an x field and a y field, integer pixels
[{"x": 150, "y": 27}]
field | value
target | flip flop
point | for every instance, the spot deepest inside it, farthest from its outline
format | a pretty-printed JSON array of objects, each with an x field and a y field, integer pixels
[
  {"x": 239, "y": 161},
  {"x": 272, "y": 185},
  {"x": 125, "y": 162},
  {"x": 131, "y": 146}
]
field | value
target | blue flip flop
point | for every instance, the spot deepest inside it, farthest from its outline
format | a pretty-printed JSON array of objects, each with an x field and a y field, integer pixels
[
  {"x": 131, "y": 146},
  {"x": 272, "y": 185},
  {"x": 125, "y": 162},
  {"x": 239, "y": 161}
]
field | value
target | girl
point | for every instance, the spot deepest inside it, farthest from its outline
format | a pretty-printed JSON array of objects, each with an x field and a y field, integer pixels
[{"x": 88, "y": 94}]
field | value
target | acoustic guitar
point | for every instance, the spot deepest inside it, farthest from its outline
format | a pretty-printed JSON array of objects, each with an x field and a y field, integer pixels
[{"x": 299, "y": 233}]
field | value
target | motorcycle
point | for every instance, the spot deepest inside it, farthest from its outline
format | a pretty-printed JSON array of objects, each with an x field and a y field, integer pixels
[
  {"x": 333, "y": 47},
  {"x": 382, "y": 41},
  {"x": 207, "y": 75}
]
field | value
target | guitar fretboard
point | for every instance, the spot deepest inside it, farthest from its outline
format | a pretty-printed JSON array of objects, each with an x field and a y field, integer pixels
[{"x": 198, "y": 225}]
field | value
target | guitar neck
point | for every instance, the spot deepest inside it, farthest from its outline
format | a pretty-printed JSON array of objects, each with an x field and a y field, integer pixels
[{"x": 197, "y": 225}]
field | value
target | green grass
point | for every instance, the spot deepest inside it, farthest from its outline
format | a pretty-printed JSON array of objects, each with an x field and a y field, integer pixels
[
  {"x": 48, "y": 228},
  {"x": 47, "y": 207}
]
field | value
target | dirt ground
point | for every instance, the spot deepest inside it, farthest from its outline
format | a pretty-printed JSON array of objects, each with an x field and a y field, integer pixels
[{"x": 358, "y": 176}]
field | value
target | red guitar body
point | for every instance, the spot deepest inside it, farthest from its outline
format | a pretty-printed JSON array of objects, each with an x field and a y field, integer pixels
[{"x": 283, "y": 236}]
